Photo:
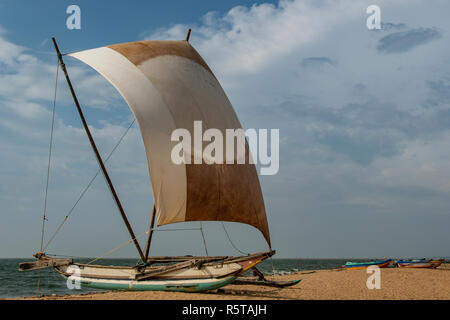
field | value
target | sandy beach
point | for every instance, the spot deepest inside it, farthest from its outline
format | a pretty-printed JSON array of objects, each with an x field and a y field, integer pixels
[{"x": 336, "y": 284}]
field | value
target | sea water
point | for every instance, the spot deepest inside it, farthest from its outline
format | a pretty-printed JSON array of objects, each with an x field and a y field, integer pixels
[{"x": 14, "y": 283}]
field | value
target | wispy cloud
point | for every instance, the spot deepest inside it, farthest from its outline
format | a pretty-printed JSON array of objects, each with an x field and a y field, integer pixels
[
  {"x": 26, "y": 78},
  {"x": 439, "y": 92},
  {"x": 389, "y": 26},
  {"x": 317, "y": 63},
  {"x": 407, "y": 40},
  {"x": 246, "y": 39}
]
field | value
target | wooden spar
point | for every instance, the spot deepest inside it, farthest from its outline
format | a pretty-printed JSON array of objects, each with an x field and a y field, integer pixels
[
  {"x": 44, "y": 263},
  {"x": 150, "y": 234},
  {"x": 97, "y": 154},
  {"x": 188, "y": 35},
  {"x": 164, "y": 269},
  {"x": 168, "y": 259},
  {"x": 186, "y": 258}
]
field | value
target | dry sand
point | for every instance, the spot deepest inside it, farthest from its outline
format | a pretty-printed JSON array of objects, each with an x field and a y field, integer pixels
[{"x": 336, "y": 284}]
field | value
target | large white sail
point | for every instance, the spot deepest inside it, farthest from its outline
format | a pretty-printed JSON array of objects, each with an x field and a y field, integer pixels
[{"x": 168, "y": 85}]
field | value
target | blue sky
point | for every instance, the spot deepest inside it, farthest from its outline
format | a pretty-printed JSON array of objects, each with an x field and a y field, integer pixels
[{"x": 364, "y": 120}]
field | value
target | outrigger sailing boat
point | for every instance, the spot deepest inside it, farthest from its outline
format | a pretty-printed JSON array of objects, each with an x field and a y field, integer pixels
[{"x": 168, "y": 85}]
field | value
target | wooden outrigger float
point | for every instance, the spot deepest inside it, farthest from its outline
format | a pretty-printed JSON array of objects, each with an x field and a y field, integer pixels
[
  {"x": 262, "y": 281},
  {"x": 168, "y": 85}
]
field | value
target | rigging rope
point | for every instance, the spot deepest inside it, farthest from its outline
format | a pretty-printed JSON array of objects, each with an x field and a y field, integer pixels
[
  {"x": 88, "y": 186},
  {"x": 229, "y": 239},
  {"x": 39, "y": 282},
  {"x": 119, "y": 247},
  {"x": 203, "y": 237},
  {"x": 44, "y": 218},
  {"x": 178, "y": 229},
  {"x": 124, "y": 244},
  {"x": 64, "y": 256}
]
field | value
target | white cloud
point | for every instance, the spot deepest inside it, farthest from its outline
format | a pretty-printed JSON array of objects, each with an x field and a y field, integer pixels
[
  {"x": 247, "y": 39},
  {"x": 349, "y": 129},
  {"x": 9, "y": 52},
  {"x": 25, "y": 108},
  {"x": 29, "y": 80},
  {"x": 367, "y": 106}
]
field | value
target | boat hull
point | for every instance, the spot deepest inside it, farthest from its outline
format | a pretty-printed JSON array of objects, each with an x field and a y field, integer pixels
[
  {"x": 197, "y": 285},
  {"x": 365, "y": 265},
  {"x": 412, "y": 264},
  {"x": 436, "y": 263},
  {"x": 186, "y": 276}
]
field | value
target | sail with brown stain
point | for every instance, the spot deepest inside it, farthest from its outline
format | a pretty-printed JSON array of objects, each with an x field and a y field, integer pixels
[{"x": 168, "y": 85}]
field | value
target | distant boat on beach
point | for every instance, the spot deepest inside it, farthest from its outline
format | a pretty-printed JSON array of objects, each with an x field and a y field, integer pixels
[
  {"x": 420, "y": 263},
  {"x": 364, "y": 265},
  {"x": 437, "y": 262},
  {"x": 414, "y": 264}
]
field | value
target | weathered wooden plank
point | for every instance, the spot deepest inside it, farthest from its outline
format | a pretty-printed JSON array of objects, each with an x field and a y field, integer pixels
[
  {"x": 44, "y": 263},
  {"x": 164, "y": 269},
  {"x": 165, "y": 259}
]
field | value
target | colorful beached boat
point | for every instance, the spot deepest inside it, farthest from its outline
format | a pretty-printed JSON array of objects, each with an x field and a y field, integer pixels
[
  {"x": 364, "y": 265},
  {"x": 436, "y": 262},
  {"x": 414, "y": 264},
  {"x": 168, "y": 85},
  {"x": 420, "y": 263}
]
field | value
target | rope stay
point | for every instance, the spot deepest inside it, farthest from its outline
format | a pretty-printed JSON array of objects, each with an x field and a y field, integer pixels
[
  {"x": 203, "y": 237},
  {"x": 88, "y": 185},
  {"x": 119, "y": 247},
  {"x": 246, "y": 253},
  {"x": 124, "y": 244},
  {"x": 229, "y": 239},
  {"x": 44, "y": 216}
]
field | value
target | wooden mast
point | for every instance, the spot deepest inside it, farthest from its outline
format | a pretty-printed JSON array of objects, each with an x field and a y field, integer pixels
[
  {"x": 150, "y": 234},
  {"x": 188, "y": 35},
  {"x": 97, "y": 154}
]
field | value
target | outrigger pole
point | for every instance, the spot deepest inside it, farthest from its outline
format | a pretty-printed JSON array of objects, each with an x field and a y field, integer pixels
[{"x": 97, "y": 154}]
